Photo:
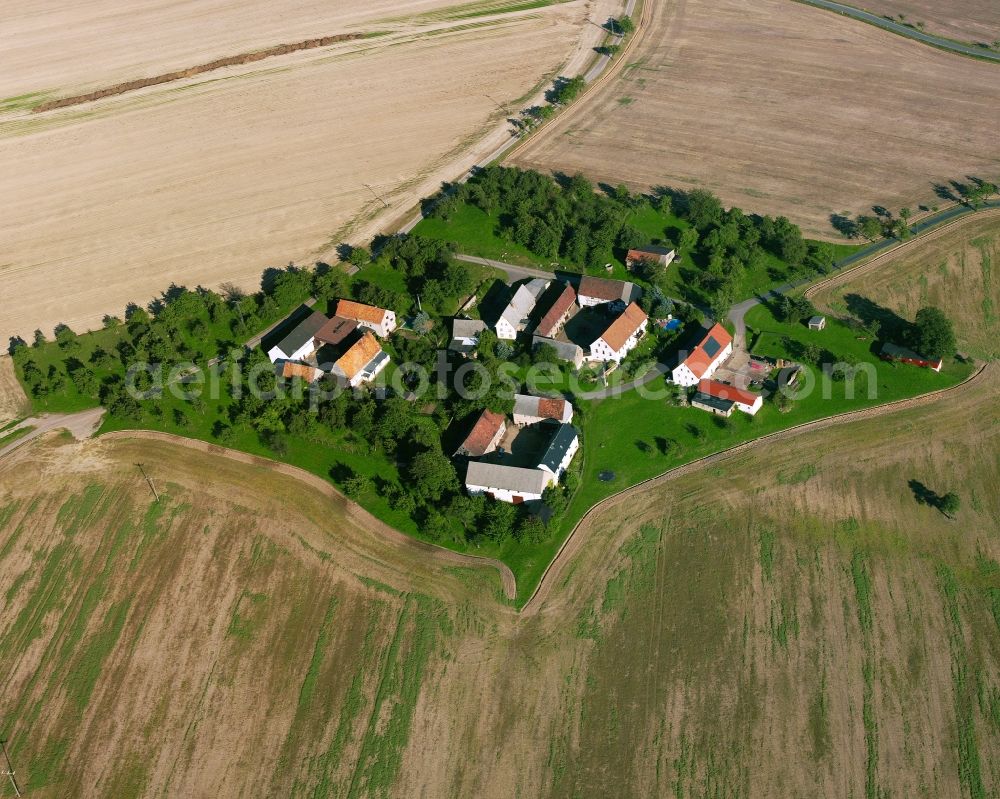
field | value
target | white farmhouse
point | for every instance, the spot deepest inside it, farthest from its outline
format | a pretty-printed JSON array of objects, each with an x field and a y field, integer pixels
[
  {"x": 507, "y": 483},
  {"x": 516, "y": 315},
  {"x": 380, "y": 321},
  {"x": 621, "y": 336},
  {"x": 705, "y": 359},
  {"x": 300, "y": 343}
]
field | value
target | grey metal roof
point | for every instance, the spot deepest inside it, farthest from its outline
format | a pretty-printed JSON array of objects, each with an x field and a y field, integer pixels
[
  {"x": 509, "y": 478},
  {"x": 467, "y": 328},
  {"x": 558, "y": 447},
  {"x": 304, "y": 331},
  {"x": 564, "y": 349}
]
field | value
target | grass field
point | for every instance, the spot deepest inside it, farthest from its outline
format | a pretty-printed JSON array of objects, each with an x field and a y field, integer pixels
[
  {"x": 823, "y": 115},
  {"x": 976, "y": 21},
  {"x": 789, "y": 622},
  {"x": 957, "y": 271},
  {"x": 212, "y": 179}
]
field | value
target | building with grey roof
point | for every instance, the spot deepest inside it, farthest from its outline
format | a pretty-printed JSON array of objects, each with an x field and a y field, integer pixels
[
  {"x": 300, "y": 342},
  {"x": 517, "y": 315},
  {"x": 507, "y": 483},
  {"x": 560, "y": 451}
]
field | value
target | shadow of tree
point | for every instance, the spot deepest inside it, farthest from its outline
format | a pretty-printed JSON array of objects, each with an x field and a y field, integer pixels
[
  {"x": 891, "y": 325},
  {"x": 924, "y": 495}
]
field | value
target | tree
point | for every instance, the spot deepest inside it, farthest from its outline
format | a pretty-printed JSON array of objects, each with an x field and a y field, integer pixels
[
  {"x": 38, "y": 340},
  {"x": 689, "y": 240},
  {"x": 432, "y": 475},
  {"x": 870, "y": 227},
  {"x": 498, "y": 520},
  {"x": 949, "y": 504},
  {"x": 933, "y": 333},
  {"x": 359, "y": 257},
  {"x": 703, "y": 208}
]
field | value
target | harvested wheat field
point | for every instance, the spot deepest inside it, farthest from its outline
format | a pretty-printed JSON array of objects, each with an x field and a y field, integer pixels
[
  {"x": 953, "y": 269},
  {"x": 13, "y": 402},
  {"x": 781, "y": 108},
  {"x": 791, "y": 621},
  {"x": 215, "y": 177},
  {"x": 975, "y": 21}
]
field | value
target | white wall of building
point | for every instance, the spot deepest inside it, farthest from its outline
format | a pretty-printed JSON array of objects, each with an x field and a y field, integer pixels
[
  {"x": 303, "y": 352},
  {"x": 567, "y": 459}
]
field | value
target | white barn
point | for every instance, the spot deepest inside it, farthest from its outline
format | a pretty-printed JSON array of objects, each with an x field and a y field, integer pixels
[
  {"x": 507, "y": 483},
  {"x": 300, "y": 342}
]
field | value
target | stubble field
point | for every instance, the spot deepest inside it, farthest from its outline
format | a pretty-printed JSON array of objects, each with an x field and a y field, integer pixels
[
  {"x": 784, "y": 109},
  {"x": 954, "y": 270},
  {"x": 976, "y": 21},
  {"x": 214, "y": 178},
  {"x": 791, "y": 621}
]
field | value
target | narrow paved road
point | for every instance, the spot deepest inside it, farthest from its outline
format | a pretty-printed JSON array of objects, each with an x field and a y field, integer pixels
[
  {"x": 512, "y": 271},
  {"x": 82, "y": 425},
  {"x": 905, "y": 30},
  {"x": 882, "y": 247}
]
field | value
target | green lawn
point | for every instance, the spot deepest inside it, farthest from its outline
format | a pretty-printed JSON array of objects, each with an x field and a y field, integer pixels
[{"x": 474, "y": 232}]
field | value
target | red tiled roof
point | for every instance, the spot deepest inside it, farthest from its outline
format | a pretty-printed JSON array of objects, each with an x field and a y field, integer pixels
[
  {"x": 551, "y": 408},
  {"x": 624, "y": 326},
  {"x": 699, "y": 360},
  {"x": 359, "y": 355},
  {"x": 302, "y": 370},
  {"x": 483, "y": 432},
  {"x": 363, "y": 313},
  {"x": 724, "y": 391},
  {"x": 547, "y": 327},
  {"x": 647, "y": 253},
  {"x": 336, "y": 330}
]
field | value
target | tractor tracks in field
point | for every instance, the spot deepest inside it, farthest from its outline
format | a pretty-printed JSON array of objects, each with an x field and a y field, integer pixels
[
  {"x": 353, "y": 510},
  {"x": 579, "y": 534}
]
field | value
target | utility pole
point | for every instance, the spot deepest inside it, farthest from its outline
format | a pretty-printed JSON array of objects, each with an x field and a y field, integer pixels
[
  {"x": 156, "y": 497},
  {"x": 498, "y": 105},
  {"x": 9, "y": 772},
  {"x": 377, "y": 195}
]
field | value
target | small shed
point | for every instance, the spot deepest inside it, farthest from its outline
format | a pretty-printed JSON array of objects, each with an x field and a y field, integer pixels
[{"x": 817, "y": 323}]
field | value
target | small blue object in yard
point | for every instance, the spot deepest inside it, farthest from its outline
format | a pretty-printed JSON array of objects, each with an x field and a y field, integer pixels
[
  {"x": 606, "y": 477},
  {"x": 673, "y": 324}
]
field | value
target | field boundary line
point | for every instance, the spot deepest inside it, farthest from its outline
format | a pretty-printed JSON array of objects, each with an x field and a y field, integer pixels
[
  {"x": 615, "y": 66},
  {"x": 905, "y": 31},
  {"x": 570, "y": 544},
  {"x": 879, "y": 258},
  {"x": 354, "y": 511}
]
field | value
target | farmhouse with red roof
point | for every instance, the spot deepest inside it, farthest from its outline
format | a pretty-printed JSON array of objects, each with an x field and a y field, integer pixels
[{"x": 704, "y": 359}]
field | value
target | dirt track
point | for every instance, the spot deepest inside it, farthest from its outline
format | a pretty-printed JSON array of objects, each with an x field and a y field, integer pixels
[
  {"x": 578, "y": 536},
  {"x": 354, "y": 511}
]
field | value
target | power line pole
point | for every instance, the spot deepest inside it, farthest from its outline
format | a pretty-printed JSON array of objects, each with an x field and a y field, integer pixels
[
  {"x": 156, "y": 497},
  {"x": 9, "y": 772},
  {"x": 377, "y": 195}
]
